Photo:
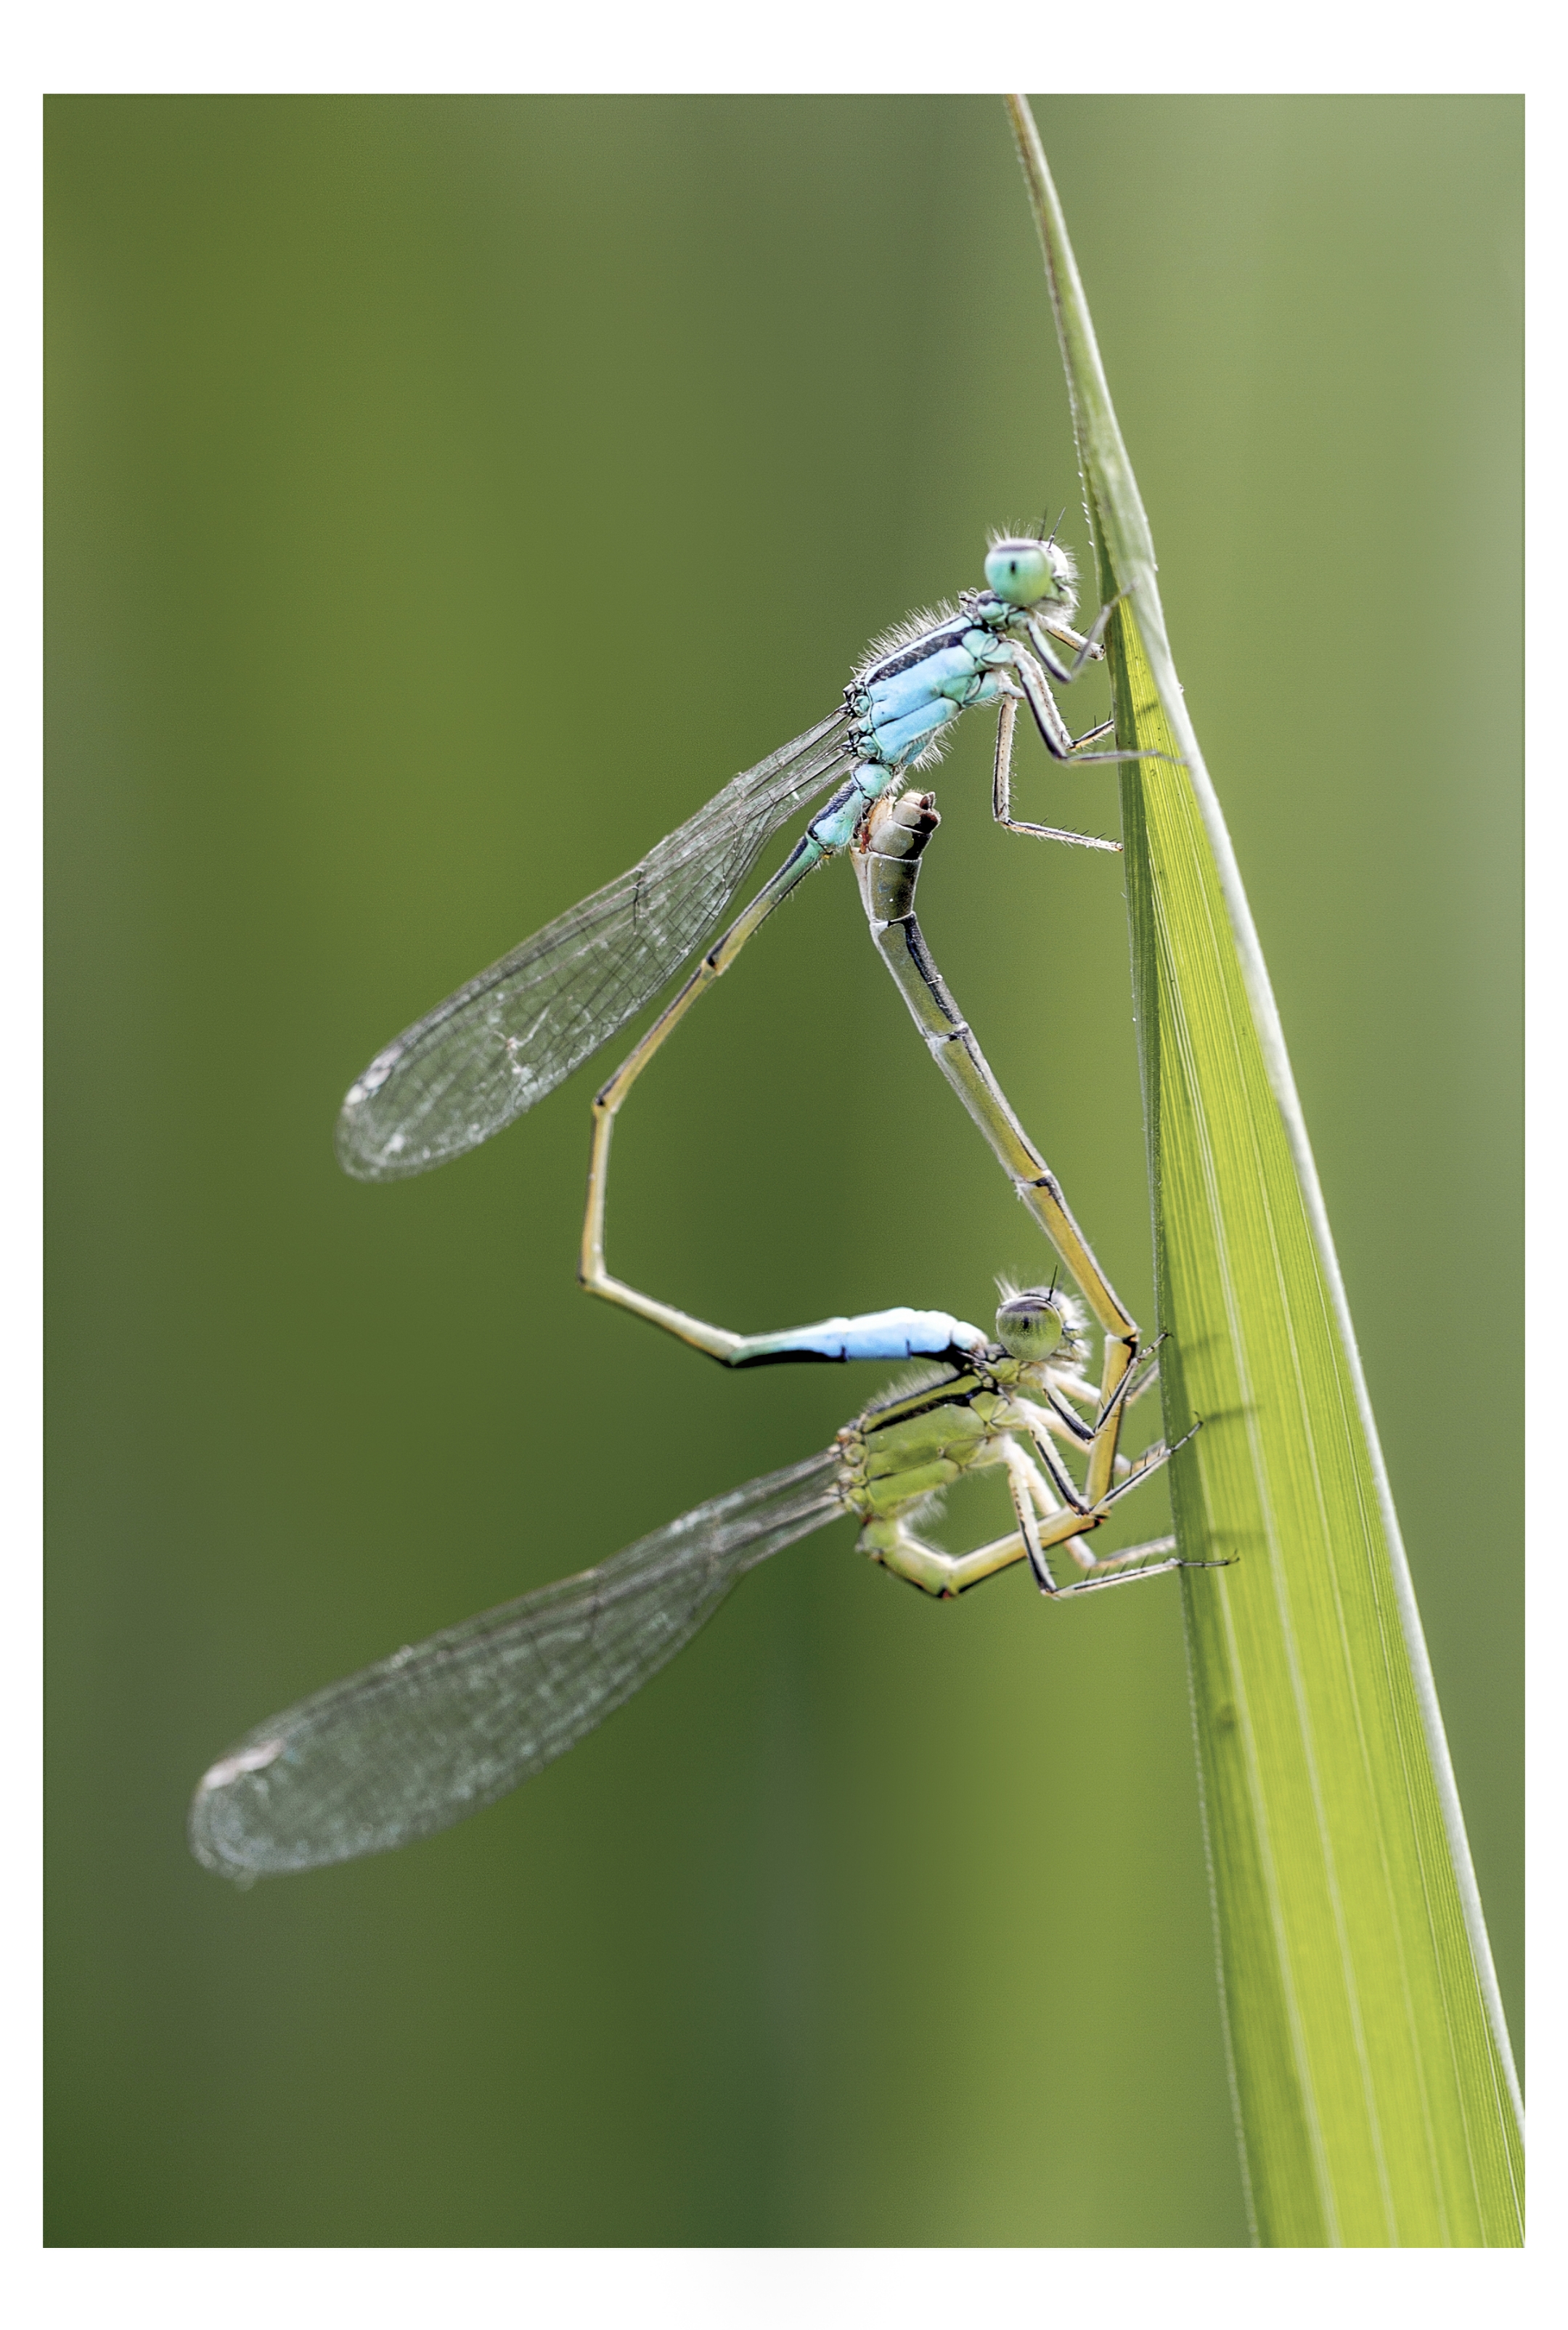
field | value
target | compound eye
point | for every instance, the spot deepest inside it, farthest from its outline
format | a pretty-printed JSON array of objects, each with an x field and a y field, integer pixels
[
  {"x": 1021, "y": 572},
  {"x": 1029, "y": 1326}
]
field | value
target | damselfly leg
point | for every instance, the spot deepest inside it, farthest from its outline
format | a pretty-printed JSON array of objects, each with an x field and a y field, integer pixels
[{"x": 887, "y": 862}]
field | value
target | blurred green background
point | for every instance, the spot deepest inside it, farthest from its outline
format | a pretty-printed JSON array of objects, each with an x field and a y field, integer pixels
[{"x": 445, "y": 497}]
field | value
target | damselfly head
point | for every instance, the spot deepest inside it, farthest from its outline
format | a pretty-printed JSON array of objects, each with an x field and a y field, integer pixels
[
  {"x": 1026, "y": 571},
  {"x": 1038, "y": 1322}
]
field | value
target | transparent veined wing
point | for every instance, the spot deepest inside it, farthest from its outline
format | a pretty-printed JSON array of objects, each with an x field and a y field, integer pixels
[
  {"x": 508, "y": 1037},
  {"x": 418, "y": 1740}
]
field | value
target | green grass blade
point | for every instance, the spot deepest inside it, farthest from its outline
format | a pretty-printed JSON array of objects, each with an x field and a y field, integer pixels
[{"x": 1375, "y": 2085}]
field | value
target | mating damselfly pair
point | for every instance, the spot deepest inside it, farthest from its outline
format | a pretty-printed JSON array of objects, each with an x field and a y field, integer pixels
[{"x": 417, "y": 1741}]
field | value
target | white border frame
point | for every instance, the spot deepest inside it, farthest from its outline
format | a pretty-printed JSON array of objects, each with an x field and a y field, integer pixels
[{"x": 1371, "y": 47}]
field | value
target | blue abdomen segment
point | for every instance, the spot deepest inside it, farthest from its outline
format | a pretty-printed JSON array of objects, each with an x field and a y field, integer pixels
[
  {"x": 833, "y": 825},
  {"x": 896, "y": 1334}
]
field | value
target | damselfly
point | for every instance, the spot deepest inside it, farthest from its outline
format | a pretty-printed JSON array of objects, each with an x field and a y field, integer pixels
[
  {"x": 500, "y": 1043},
  {"x": 507, "y": 1039},
  {"x": 444, "y": 1727}
]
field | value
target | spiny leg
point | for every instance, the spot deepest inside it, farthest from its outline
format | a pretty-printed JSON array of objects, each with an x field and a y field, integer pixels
[
  {"x": 1144, "y": 1380},
  {"x": 1033, "y": 1493},
  {"x": 894, "y": 1545},
  {"x": 887, "y": 865},
  {"x": 1002, "y": 784},
  {"x": 1063, "y": 743},
  {"x": 1151, "y": 1460},
  {"x": 945, "y": 1576},
  {"x": 1112, "y": 1573},
  {"x": 1035, "y": 673},
  {"x": 1055, "y": 1417},
  {"x": 1087, "y": 649},
  {"x": 1057, "y": 737},
  {"x": 1044, "y": 1524},
  {"x": 1130, "y": 1473}
]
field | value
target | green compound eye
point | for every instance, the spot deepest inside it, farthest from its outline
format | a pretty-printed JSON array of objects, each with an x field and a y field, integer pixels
[
  {"x": 1021, "y": 572},
  {"x": 1030, "y": 1326}
]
